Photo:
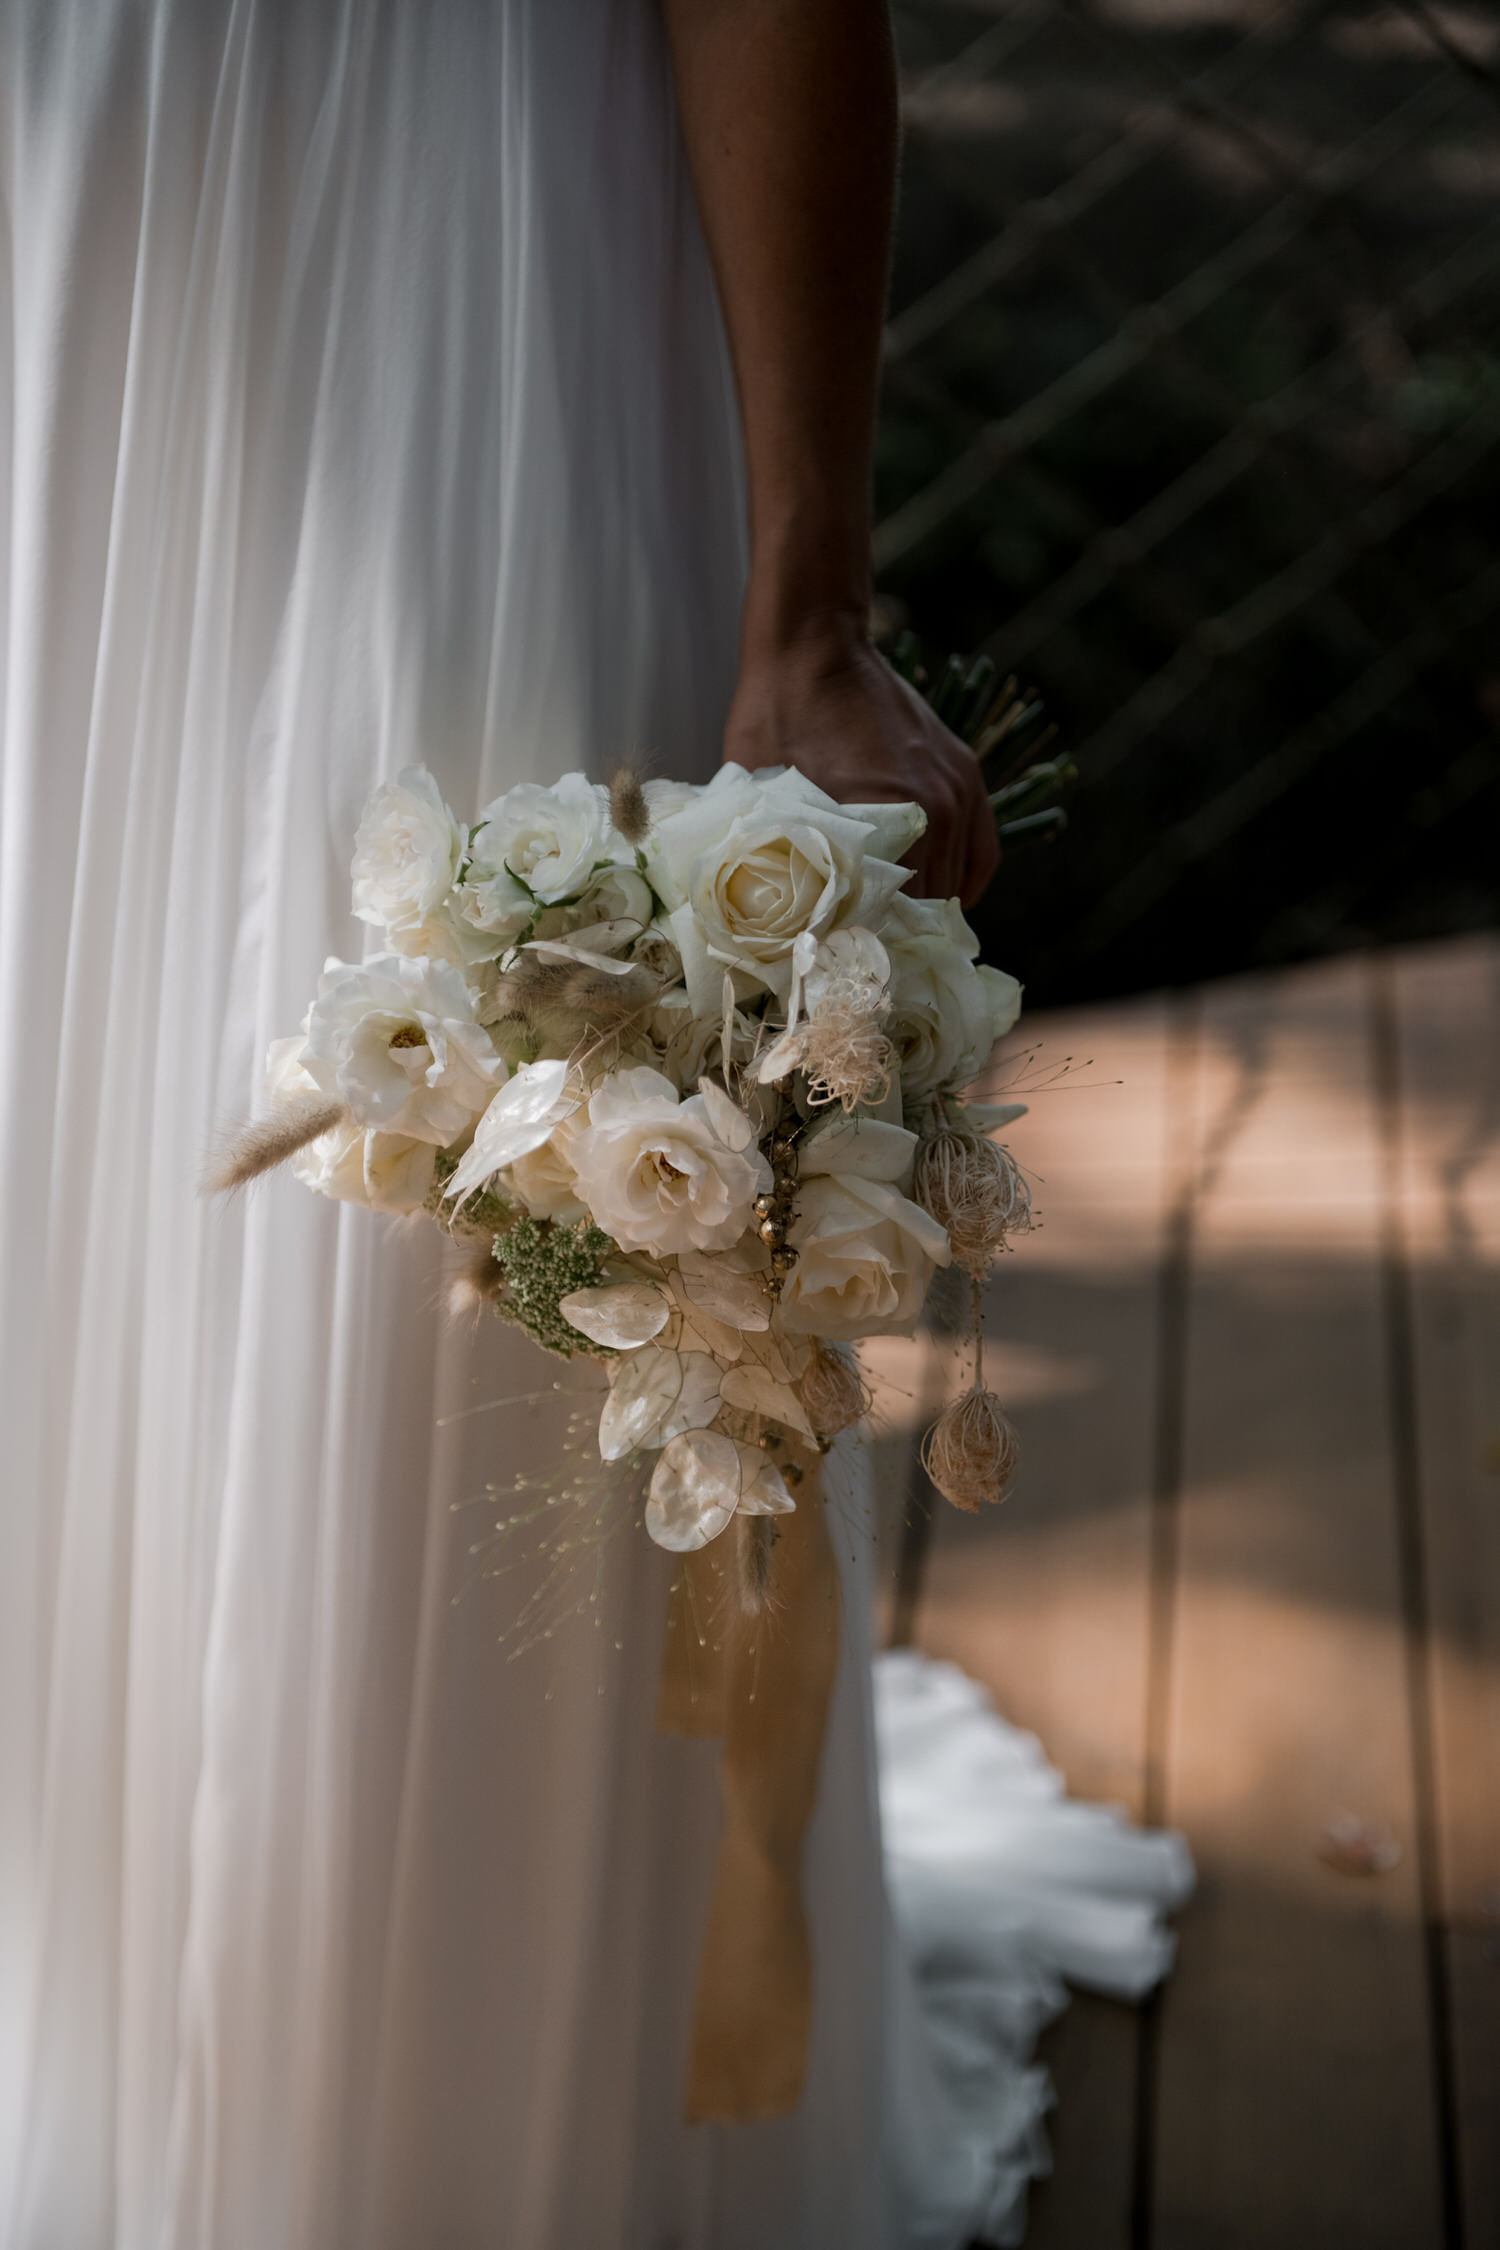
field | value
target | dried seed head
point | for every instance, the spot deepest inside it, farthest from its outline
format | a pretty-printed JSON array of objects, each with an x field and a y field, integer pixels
[
  {"x": 627, "y": 806},
  {"x": 259, "y": 1148},
  {"x": 971, "y": 1451},
  {"x": 974, "y": 1189},
  {"x": 833, "y": 1391}
]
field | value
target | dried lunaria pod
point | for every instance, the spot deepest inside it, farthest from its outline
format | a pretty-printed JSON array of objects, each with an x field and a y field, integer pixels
[
  {"x": 974, "y": 1189},
  {"x": 259, "y": 1147}
]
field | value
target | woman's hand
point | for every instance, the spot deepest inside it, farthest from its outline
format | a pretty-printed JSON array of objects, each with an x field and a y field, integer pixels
[{"x": 826, "y": 702}]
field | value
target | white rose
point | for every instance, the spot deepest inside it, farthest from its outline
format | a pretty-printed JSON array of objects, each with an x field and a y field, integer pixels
[
  {"x": 755, "y": 860},
  {"x": 865, "y": 1257},
  {"x": 384, "y": 1170},
  {"x": 946, "y": 1013},
  {"x": 406, "y": 853},
  {"x": 397, "y": 1041},
  {"x": 612, "y": 914},
  {"x": 550, "y": 840},
  {"x": 664, "y": 1175},
  {"x": 545, "y": 1180}
]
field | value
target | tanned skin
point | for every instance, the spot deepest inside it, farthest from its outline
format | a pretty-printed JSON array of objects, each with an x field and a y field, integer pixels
[{"x": 789, "y": 117}]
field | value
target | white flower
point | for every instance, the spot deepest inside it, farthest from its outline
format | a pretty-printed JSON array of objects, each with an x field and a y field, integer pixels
[
  {"x": 384, "y": 1170},
  {"x": 663, "y": 1175},
  {"x": 839, "y": 1045},
  {"x": 397, "y": 1041},
  {"x": 406, "y": 853},
  {"x": 754, "y": 860},
  {"x": 946, "y": 1013},
  {"x": 612, "y": 914},
  {"x": 702, "y": 1481},
  {"x": 550, "y": 840},
  {"x": 544, "y": 1181},
  {"x": 518, "y": 1120},
  {"x": 865, "y": 1252}
]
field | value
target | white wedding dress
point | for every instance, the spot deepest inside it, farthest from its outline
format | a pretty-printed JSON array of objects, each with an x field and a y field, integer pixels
[{"x": 365, "y": 401}]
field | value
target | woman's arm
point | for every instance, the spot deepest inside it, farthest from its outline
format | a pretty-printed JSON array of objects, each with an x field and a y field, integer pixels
[{"x": 789, "y": 115}]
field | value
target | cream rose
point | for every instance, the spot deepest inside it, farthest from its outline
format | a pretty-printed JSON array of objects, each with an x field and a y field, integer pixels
[
  {"x": 755, "y": 860},
  {"x": 397, "y": 1041},
  {"x": 865, "y": 1252},
  {"x": 946, "y": 1012},
  {"x": 406, "y": 853},
  {"x": 548, "y": 839},
  {"x": 664, "y": 1175},
  {"x": 382, "y": 1170}
]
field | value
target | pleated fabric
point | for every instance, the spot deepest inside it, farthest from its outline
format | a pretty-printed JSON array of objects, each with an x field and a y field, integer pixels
[{"x": 364, "y": 400}]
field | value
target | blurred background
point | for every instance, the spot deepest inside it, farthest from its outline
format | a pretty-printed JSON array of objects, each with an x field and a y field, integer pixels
[{"x": 1191, "y": 403}]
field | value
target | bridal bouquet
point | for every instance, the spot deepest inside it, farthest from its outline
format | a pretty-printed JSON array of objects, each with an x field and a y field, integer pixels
[{"x": 684, "y": 1069}]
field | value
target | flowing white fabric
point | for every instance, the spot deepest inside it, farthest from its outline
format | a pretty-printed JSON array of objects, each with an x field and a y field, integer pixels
[
  {"x": 364, "y": 400},
  {"x": 1004, "y": 1893}
]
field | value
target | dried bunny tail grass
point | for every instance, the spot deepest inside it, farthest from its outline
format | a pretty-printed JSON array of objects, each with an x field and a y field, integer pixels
[
  {"x": 971, "y": 1451},
  {"x": 542, "y": 991},
  {"x": 833, "y": 1391},
  {"x": 973, "y": 1188},
  {"x": 477, "y": 1283},
  {"x": 259, "y": 1147},
  {"x": 628, "y": 808},
  {"x": 753, "y": 1538}
]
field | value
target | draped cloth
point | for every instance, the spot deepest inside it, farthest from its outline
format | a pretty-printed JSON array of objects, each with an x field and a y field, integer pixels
[{"x": 365, "y": 401}]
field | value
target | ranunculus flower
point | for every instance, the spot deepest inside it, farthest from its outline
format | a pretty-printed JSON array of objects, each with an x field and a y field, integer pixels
[
  {"x": 865, "y": 1252},
  {"x": 549, "y": 839},
  {"x": 664, "y": 1175},
  {"x": 397, "y": 1041},
  {"x": 946, "y": 1013},
  {"x": 755, "y": 860},
  {"x": 406, "y": 853}
]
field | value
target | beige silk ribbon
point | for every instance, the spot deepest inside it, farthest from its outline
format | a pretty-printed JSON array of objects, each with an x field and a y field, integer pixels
[{"x": 763, "y": 1683}]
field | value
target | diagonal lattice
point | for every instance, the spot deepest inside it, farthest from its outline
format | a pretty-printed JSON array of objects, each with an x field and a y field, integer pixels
[{"x": 1192, "y": 414}]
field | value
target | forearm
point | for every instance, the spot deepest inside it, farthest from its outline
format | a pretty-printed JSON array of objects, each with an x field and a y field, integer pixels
[{"x": 789, "y": 116}]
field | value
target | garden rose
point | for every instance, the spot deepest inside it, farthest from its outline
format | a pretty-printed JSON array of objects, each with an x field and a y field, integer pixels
[
  {"x": 865, "y": 1252},
  {"x": 755, "y": 860},
  {"x": 549, "y": 840},
  {"x": 397, "y": 1041},
  {"x": 406, "y": 855},
  {"x": 946, "y": 1012},
  {"x": 662, "y": 1174}
]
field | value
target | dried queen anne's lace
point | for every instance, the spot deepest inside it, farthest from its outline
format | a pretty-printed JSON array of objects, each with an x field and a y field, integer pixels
[{"x": 603, "y": 1042}]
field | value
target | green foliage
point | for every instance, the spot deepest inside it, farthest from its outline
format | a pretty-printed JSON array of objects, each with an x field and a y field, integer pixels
[{"x": 544, "y": 1263}]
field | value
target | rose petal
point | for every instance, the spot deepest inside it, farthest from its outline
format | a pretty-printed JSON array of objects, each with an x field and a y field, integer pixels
[
  {"x": 695, "y": 1489},
  {"x": 563, "y": 949},
  {"x": 622, "y": 1316},
  {"x": 726, "y": 1117}
]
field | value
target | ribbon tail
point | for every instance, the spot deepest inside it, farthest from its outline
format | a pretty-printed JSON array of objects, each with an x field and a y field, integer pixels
[{"x": 765, "y": 1683}]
